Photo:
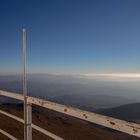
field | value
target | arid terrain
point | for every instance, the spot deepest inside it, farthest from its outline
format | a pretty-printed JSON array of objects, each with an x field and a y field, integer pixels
[{"x": 64, "y": 126}]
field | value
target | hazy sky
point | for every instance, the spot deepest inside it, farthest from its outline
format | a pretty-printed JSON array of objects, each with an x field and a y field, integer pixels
[{"x": 71, "y": 36}]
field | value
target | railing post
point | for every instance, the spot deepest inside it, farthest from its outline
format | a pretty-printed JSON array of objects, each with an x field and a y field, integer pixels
[
  {"x": 27, "y": 106},
  {"x": 29, "y": 121},
  {"x": 24, "y": 81}
]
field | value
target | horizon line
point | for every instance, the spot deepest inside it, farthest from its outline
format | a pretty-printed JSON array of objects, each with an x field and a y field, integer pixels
[{"x": 97, "y": 74}]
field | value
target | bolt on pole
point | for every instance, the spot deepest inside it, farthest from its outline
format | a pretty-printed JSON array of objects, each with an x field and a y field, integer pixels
[{"x": 27, "y": 107}]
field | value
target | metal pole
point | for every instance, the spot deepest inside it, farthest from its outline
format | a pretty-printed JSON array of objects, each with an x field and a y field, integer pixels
[
  {"x": 27, "y": 107},
  {"x": 24, "y": 81}
]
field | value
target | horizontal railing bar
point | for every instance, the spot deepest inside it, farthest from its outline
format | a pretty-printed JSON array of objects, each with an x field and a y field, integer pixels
[
  {"x": 116, "y": 124},
  {"x": 109, "y": 122},
  {"x": 46, "y": 132},
  {"x": 7, "y": 135},
  {"x": 33, "y": 126},
  {"x": 12, "y": 116},
  {"x": 11, "y": 95}
]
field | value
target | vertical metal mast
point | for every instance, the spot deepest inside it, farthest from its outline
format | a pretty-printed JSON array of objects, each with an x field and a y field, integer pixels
[
  {"x": 24, "y": 82},
  {"x": 27, "y": 106}
]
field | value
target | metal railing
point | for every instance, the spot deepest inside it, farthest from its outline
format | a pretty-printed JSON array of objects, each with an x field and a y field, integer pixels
[{"x": 109, "y": 122}]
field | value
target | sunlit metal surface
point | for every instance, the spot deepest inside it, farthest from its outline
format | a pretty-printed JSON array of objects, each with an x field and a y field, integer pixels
[
  {"x": 8, "y": 135},
  {"x": 109, "y": 122},
  {"x": 33, "y": 126}
]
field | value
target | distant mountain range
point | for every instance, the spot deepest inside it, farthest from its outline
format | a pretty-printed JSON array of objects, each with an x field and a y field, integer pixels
[
  {"x": 75, "y": 90},
  {"x": 128, "y": 112},
  {"x": 112, "y": 98},
  {"x": 92, "y": 102}
]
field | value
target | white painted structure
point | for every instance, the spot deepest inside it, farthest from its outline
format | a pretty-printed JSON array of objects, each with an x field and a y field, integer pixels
[{"x": 109, "y": 122}]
